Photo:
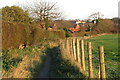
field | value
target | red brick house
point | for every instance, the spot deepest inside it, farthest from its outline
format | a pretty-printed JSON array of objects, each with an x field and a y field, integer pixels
[{"x": 75, "y": 29}]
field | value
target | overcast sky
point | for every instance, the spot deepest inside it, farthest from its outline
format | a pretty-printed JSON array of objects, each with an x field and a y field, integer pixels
[{"x": 78, "y": 9}]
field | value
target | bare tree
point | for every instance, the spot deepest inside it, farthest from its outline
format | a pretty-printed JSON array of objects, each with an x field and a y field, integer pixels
[
  {"x": 96, "y": 16},
  {"x": 90, "y": 27},
  {"x": 44, "y": 12}
]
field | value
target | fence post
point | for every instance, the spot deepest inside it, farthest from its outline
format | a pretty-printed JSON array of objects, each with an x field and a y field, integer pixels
[
  {"x": 102, "y": 64},
  {"x": 67, "y": 45},
  {"x": 78, "y": 53},
  {"x": 71, "y": 48},
  {"x": 90, "y": 68},
  {"x": 83, "y": 57},
  {"x": 74, "y": 49},
  {"x": 99, "y": 72}
]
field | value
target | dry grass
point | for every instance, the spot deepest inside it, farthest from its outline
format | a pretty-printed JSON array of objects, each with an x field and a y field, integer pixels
[
  {"x": 32, "y": 59},
  {"x": 23, "y": 70}
]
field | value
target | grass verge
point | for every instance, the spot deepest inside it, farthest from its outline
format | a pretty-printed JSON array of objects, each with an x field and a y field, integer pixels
[{"x": 23, "y": 63}]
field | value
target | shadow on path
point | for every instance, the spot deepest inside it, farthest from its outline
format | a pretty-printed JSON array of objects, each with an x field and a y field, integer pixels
[
  {"x": 62, "y": 68},
  {"x": 46, "y": 67},
  {"x": 55, "y": 66}
]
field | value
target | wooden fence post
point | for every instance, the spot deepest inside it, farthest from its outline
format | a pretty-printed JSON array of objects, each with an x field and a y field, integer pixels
[
  {"x": 102, "y": 64},
  {"x": 90, "y": 68},
  {"x": 99, "y": 72},
  {"x": 78, "y": 53},
  {"x": 74, "y": 49},
  {"x": 67, "y": 45},
  {"x": 83, "y": 57},
  {"x": 71, "y": 49}
]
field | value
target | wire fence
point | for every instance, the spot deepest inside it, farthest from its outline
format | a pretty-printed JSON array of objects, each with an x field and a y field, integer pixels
[{"x": 91, "y": 65}]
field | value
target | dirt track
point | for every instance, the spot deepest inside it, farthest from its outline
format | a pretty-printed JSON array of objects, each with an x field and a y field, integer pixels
[{"x": 46, "y": 67}]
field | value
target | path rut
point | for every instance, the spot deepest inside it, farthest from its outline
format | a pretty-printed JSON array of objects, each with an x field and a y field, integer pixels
[{"x": 46, "y": 68}]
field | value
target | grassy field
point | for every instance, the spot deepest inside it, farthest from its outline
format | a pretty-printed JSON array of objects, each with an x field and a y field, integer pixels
[{"x": 110, "y": 43}]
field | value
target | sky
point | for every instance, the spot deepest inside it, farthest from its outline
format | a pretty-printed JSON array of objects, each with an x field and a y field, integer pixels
[
  {"x": 119, "y": 9},
  {"x": 77, "y": 9}
]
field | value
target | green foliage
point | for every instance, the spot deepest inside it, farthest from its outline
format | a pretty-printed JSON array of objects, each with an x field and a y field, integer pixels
[
  {"x": 67, "y": 34},
  {"x": 9, "y": 62},
  {"x": 46, "y": 23},
  {"x": 15, "y": 14}
]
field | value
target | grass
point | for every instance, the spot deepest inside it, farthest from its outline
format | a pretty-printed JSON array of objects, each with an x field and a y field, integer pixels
[
  {"x": 62, "y": 67},
  {"x": 107, "y": 41},
  {"x": 23, "y": 63},
  {"x": 27, "y": 62},
  {"x": 110, "y": 43}
]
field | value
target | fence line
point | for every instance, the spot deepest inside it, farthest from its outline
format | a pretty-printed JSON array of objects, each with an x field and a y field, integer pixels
[{"x": 75, "y": 47}]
